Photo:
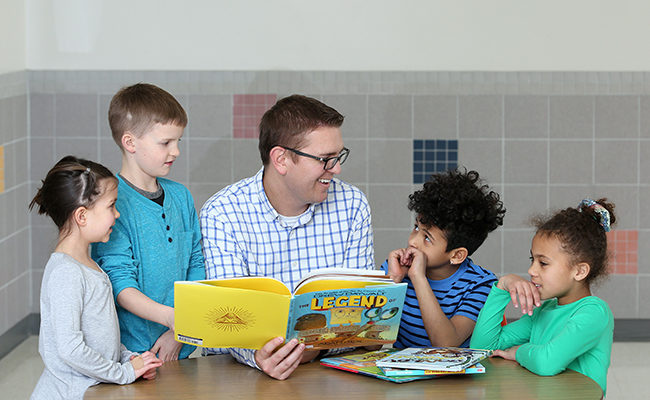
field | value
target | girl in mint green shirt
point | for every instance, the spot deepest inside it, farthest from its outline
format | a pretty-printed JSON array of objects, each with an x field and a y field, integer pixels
[{"x": 571, "y": 328}]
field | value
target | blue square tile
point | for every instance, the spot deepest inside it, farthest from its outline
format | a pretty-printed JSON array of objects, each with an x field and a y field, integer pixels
[
  {"x": 452, "y": 145},
  {"x": 418, "y": 156},
  {"x": 430, "y": 156},
  {"x": 430, "y": 168},
  {"x": 418, "y": 167},
  {"x": 441, "y": 155},
  {"x": 452, "y": 156},
  {"x": 441, "y": 167},
  {"x": 430, "y": 144},
  {"x": 451, "y": 166},
  {"x": 418, "y": 144},
  {"x": 441, "y": 144}
]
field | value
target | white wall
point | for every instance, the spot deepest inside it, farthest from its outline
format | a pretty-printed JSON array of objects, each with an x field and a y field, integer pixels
[
  {"x": 339, "y": 35},
  {"x": 12, "y": 36}
]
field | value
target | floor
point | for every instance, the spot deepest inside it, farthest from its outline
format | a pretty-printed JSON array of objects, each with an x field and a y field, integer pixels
[{"x": 20, "y": 370}]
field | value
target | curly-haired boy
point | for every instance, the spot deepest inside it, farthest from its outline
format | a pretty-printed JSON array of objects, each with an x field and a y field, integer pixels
[{"x": 455, "y": 212}]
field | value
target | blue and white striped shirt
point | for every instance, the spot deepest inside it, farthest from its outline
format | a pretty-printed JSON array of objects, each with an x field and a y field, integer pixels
[
  {"x": 463, "y": 293},
  {"x": 243, "y": 235}
]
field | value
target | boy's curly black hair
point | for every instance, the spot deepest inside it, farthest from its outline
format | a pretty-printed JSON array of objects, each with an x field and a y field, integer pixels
[{"x": 458, "y": 203}]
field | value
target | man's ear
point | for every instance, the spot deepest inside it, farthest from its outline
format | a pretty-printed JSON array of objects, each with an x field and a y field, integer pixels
[
  {"x": 79, "y": 216},
  {"x": 278, "y": 157},
  {"x": 458, "y": 255},
  {"x": 581, "y": 270},
  {"x": 128, "y": 142}
]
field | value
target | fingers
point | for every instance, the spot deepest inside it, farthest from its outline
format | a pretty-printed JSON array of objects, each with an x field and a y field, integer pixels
[{"x": 280, "y": 362}]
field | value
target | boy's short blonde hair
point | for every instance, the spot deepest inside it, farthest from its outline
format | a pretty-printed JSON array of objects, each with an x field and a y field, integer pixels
[{"x": 138, "y": 107}]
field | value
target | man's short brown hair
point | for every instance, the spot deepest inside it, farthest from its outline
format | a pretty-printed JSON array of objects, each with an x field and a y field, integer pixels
[
  {"x": 290, "y": 119},
  {"x": 138, "y": 107}
]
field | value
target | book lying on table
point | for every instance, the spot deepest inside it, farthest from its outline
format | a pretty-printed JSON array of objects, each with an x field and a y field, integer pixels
[
  {"x": 365, "y": 364},
  {"x": 443, "y": 359},
  {"x": 329, "y": 308}
]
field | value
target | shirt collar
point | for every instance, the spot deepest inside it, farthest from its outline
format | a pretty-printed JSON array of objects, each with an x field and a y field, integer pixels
[{"x": 270, "y": 214}]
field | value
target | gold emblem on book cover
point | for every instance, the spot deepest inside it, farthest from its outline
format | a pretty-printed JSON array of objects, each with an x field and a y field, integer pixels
[{"x": 230, "y": 319}]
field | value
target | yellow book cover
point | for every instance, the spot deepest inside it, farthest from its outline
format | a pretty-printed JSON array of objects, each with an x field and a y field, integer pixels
[{"x": 329, "y": 308}]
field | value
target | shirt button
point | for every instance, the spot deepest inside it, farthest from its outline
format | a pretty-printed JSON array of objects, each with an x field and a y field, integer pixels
[
  {"x": 163, "y": 215},
  {"x": 169, "y": 239},
  {"x": 167, "y": 227}
]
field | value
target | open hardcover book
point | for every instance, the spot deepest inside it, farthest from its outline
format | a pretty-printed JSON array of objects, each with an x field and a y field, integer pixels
[
  {"x": 443, "y": 359},
  {"x": 330, "y": 308},
  {"x": 365, "y": 364}
]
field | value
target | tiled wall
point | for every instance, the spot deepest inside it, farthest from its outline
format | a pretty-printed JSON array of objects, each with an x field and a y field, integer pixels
[
  {"x": 542, "y": 140},
  {"x": 15, "y": 268}
]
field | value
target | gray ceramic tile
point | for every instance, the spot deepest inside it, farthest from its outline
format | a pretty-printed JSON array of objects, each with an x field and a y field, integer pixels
[
  {"x": 104, "y": 127},
  {"x": 526, "y": 116},
  {"x": 44, "y": 239},
  {"x": 488, "y": 255},
  {"x": 616, "y": 161},
  {"x": 517, "y": 250},
  {"x": 645, "y": 116},
  {"x": 526, "y": 161},
  {"x": 484, "y": 156},
  {"x": 571, "y": 161},
  {"x": 563, "y": 196},
  {"x": 620, "y": 292},
  {"x": 522, "y": 202},
  {"x": 355, "y": 110},
  {"x": 20, "y": 247},
  {"x": 201, "y": 192},
  {"x": 387, "y": 240},
  {"x": 20, "y": 299},
  {"x": 110, "y": 155},
  {"x": 644, "y": 150},
  {"x": 210, "y": 116},
  {"x": 10, "y": 163},
  {"x": 210, "y": 160},
  {"x": 4, "y": 310},
  {"x": 41, "y": 110},
  {"x": 389, "y": 206},
  {"x": 355, "y": 169},
  {"x": 480, "y": 117},
  {"x": 84, "y": 148},
  {"x": 22, "y": 212},
  {"x": 76, "y": 115},
  {"x": 5, "y": 264},
  {"x": 20, "y": 117},
  {"x": 21, "y": 166},
  {"x": 644, "y": 217},
  {"x": 435, "y": 117},
  {"x": 571, "y": 116},
  {"x": 246, "y": 159},
  {"x": 4, "y": 215},
  {"x": 644, "y": 297},
  {"x": 617, "y": 116},
  {"x": 389, "y": 116},
  {"x": 390, "y": 161}
]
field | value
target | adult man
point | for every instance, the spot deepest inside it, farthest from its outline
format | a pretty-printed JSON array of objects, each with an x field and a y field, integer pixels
[{"x": 290, "y": 218}]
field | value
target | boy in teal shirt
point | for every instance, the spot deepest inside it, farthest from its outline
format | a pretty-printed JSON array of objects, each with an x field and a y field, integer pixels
[{"x": 157, "y": 240}]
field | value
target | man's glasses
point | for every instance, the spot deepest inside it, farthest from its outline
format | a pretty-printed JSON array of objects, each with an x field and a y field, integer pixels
[{"x": 329, "y": 162}]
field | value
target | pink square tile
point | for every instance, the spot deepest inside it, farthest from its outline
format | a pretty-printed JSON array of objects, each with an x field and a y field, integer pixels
[
  {"x": 623, "y": 245},
  {"x": 247, "y": 111}
]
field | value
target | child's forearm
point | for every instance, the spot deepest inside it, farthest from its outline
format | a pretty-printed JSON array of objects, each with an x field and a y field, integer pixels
[
  {"x": 139, "y": 304},
  {"x": 441, "y": 330}
]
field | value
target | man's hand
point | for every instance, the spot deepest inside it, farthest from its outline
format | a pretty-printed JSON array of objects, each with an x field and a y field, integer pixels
[
  {"x": 521, "y": 292},
  {"x": 166, "y": 347},
  {"x": 279, "y": 362}
]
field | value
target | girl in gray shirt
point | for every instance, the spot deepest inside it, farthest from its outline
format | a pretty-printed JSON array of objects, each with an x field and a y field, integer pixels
[{"x": 79, "y": 338}]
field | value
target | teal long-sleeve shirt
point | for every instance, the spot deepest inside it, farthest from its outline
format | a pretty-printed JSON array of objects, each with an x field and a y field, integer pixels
[
  {"x": 151, "y": 246},
  {"x": 576, "y": 336}
]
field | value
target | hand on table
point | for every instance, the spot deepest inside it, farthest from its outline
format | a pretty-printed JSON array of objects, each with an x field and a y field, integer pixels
[
  {"x": 166, "y": 347},
  {"x": 145, "y": 364}
]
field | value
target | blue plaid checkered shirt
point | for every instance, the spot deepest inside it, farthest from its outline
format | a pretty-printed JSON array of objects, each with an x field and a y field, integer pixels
[{"x": 243, "y": 235}]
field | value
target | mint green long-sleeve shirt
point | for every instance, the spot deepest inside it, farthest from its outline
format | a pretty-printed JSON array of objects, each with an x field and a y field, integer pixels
[{"x": 576, "y": 336}]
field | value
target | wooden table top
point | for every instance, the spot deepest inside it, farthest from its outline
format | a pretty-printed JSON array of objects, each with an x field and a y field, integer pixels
[{"x": 222, "y": 377}]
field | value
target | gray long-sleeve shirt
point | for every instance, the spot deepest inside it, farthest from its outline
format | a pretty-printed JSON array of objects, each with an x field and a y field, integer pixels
[{"x": 79, "y": 335}]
